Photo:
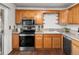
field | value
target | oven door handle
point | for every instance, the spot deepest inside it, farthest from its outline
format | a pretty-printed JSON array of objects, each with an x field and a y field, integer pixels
[{"x": 26, "y": 35}]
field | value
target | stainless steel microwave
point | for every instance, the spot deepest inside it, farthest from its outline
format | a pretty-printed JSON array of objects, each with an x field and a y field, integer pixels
[{"x": 28, "y": 22}]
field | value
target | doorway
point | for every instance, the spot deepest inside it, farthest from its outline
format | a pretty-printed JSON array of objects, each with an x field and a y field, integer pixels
[{"x": 1, "y": 30}]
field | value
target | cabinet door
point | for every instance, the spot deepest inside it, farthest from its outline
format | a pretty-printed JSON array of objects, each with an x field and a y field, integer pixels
[
  {"x": 76, "y": 14},
  {"x": 70, "y": 16},
  {"x": 56, "y": 41},
  {"x": 47, "y": 41},
  {"x": 75, "y": 49},
  {"x": 18, "y": 16},
  {"x": 38, "y": 41},
  {"x": 63, "y": 17},
  {"x": 39, "y": 19},
  {"x": 15, "y": 41},
  {"x": 73, "y": 17},
  {"x": 30, "y": 14}
]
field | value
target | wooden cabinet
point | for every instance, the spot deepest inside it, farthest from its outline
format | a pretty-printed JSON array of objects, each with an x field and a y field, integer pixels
[
  {"x": 37, "y": 15},
  {"x": 47, "y": 41},
  {"x": 53, "y": 41},
  {"x": 73, "y": 17},
  {"x": 15, "y": 41},
  {"x": 75, "y": 50},
  {"x": 75, "y": 14},
  {"x": 39, "y": 19},
  {"x": 38, "y": 41},
  {"x": 69, "y": 16},
  {"x": 19, "y": 16},
  {"x": 63, "y": 17},
  {"x": 75, "y": 47},
  {"x": 56, "y": 41},
  {"x": 29, "y": 14}
]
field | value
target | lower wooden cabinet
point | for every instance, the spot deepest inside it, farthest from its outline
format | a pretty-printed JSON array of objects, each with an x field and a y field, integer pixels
[
  {"x": 41, "y": 41},
  {"x": 15, "y": 41},
  {"x": 75, "y": 50},
  {"x": 38, "y": 41},
  {"x": 47, "y": 41},
  {"x": 75, "y": 47},
  {"x": 53, "y": 41},
  {"x": 56, "y": 41}
]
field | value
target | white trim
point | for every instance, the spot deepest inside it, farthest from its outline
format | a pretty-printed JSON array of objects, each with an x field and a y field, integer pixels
[
  {"x": 72, "y": 5},
  {"x": 31, "y": 8}
]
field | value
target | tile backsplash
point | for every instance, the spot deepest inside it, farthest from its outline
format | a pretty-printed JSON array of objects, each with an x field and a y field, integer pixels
[
  {"x": 73, "y": 27},
  {"x": 39, "y": 27}
]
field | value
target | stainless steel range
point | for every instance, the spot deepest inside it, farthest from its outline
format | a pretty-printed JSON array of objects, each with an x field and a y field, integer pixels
[{"x": 27, "y": 37}]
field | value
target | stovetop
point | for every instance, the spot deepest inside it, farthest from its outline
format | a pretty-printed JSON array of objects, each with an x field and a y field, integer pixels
[{"x": 28, "y": 32}]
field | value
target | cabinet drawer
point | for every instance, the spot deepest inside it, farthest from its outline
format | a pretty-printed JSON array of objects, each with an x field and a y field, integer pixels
[
  {"x": 56, "y": 35},
  {"x": 38, "y": 35}
]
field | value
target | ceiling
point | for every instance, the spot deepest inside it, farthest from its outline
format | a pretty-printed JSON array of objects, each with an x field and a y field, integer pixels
[{"x": 43, "y": 5}]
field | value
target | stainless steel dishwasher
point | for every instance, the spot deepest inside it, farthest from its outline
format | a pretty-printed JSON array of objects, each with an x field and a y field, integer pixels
[{"x": 67, "y": 45}]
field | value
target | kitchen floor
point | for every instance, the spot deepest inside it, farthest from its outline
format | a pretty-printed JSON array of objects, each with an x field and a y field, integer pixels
[{"x": 38, "y": 52}]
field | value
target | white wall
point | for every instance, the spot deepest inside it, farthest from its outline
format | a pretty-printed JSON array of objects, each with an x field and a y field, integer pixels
[{"x": 9, "y": 20}]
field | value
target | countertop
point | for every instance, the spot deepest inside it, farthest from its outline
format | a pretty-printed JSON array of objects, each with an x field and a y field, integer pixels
[
  {"x": 15, "y": 33},
  {"x": 69, "y": 34}
]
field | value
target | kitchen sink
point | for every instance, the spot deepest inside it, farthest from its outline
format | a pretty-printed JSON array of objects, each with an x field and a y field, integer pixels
[{"x": 52, "y": 32}]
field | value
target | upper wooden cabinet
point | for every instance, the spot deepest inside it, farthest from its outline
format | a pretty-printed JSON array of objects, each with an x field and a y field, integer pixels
[
  {"x": 69, "y": 16},
  {"x": 63, "y": 17},
  {"x": 37, "y": 15},
  {"x": 73, "y": 17},
  {"x": 29, "y": 14},
  {"x": 19, "y": 16},
  {"x": 39, "y": 19}
]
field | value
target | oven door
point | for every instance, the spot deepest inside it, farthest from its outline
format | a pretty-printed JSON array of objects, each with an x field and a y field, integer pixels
[{"x": 26, "y": 41}]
